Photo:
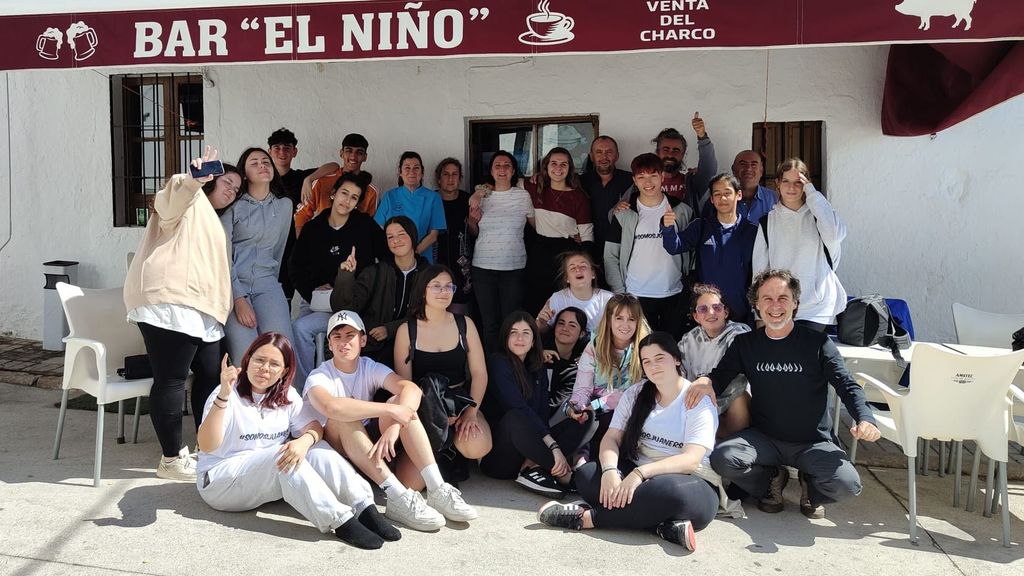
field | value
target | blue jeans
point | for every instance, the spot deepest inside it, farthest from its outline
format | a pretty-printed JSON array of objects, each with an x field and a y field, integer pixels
[
  {"x": 272, "y": 315},
  {"x": 498, "y": 294}
]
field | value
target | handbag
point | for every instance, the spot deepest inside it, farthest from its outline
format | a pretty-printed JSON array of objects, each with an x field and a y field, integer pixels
[{"x": 136, "y": 367}]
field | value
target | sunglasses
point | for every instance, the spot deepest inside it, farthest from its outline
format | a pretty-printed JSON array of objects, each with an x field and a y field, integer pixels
[
  {"x": 439, "y": 288},
  {"x": 704, "y": 308}
]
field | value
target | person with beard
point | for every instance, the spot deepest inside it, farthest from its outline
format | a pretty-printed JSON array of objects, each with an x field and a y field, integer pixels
[
  {"x": 605, "y": 185},
  {"x": 678, "y": 182},
  {"x": 789, "y": 368},
  {"x": 756, "y": 200}
]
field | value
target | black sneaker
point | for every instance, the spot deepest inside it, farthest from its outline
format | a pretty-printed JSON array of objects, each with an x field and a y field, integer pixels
[
  {"x": 539, "y": 482},
  {"x": 773, "y": 501},
  {"x": 678, "y": 532},
  {"x": 569, "y": 516}
]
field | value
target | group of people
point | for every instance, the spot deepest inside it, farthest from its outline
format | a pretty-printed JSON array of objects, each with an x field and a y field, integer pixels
[{"x": 676, "y": 361}]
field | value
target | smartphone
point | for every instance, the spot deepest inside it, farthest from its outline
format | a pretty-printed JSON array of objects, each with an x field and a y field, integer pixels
[{"x": 209, "y": 168}]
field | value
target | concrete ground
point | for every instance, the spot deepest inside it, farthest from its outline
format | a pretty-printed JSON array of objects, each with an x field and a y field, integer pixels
[{"x": 52, "y": 521}]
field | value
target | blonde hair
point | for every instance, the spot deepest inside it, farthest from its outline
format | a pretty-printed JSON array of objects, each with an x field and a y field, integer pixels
[
  {"x": 604, "y": 344},
  {"x": 792, "y": 164}
]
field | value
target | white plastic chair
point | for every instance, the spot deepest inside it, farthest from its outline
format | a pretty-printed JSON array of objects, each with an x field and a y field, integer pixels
[
  {"x": 951, "y": 397},
  {"x": 100, "y": 337},
  {"x": 980, "y": 328}
]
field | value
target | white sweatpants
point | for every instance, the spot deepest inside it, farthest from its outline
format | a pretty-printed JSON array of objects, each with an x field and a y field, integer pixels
[{"x": 325, "y": 489}]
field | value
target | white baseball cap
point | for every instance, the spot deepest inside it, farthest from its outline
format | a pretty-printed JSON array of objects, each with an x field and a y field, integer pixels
[{"x": 345, "y": 317}]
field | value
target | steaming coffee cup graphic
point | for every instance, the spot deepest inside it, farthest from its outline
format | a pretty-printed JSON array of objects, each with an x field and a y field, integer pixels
[
  {"x": 49, "y": 42},
  {"x": 82, "y": 39},
  {"x": 547, "y": 27}
]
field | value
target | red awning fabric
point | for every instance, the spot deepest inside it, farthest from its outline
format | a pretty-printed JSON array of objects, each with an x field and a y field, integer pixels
[{"x": 930, "y": 87}]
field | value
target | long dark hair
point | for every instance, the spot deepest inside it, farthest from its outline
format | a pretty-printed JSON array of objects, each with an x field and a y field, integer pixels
[
  {"x": 277, "y": 395},
  {"x": 646, "y": 398},
  {"x": 534, "y": 358},
  {"x": 276, "y": 185},
  {"x": 212, "y": 184},
  {"x": 418, "y": 302},
  {"x": 516, "y": 175}
]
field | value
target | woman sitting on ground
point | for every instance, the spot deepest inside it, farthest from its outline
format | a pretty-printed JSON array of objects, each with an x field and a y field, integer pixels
[
  {"x": 178, "y": 292},
  {"x": 609, "y": 365},
  {"x": 649, "y": 472},
  {"x": 705, "y": 345},
  {"x": 578, "y": 273},
  {"x": 517, "y": 406},
  {"x": 448, "y": 345},
  {"x": 257, "y": 444}
]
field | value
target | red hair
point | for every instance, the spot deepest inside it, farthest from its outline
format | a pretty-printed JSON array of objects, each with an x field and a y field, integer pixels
[{"x": 277, "y": 395}]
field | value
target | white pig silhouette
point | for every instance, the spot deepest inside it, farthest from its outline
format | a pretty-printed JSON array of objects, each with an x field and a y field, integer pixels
[{"x": 925, "y": 9}]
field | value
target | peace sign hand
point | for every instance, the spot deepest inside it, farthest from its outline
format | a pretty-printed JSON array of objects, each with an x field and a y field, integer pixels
[{"x": 209, "y": 154}]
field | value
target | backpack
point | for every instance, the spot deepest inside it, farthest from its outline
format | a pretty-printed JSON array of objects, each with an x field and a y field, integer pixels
[{"x": 867, "y": 321}]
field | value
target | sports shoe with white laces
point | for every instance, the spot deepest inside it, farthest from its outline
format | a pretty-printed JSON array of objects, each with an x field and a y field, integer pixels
[
  {"x": 412, "y": 510},
  {"x": 558, "y": 515},
  {"x": 678, "y": 532},
  {"x": 448, "y": 501},
  {"x": 181, "y": 468},
  {"x": 539, "y": 482}
]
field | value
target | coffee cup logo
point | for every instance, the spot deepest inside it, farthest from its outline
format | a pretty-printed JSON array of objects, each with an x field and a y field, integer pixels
[
  {"x": 82, "y": 39},
  {"x": 546, "y": 27},
  {"x": 49, "y": 42}
]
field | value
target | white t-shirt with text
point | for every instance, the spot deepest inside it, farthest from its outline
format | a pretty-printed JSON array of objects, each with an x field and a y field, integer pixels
[
  {"x": 669, "y": 428},
  {"x": 652, "y": 272}
]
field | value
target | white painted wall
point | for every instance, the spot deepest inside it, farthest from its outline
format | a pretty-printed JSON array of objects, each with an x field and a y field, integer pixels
[{"x": 932, "y": 220}]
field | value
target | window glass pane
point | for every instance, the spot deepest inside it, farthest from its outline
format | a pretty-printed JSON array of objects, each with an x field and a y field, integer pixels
[
  {"x": 151, "y": 110},
  {"x": 574, "y": 137},
  {"x": 190, "y": 107}
]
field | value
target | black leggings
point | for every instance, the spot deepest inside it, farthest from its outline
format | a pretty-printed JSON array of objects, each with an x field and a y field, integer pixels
[
  {"x": 171, "y": 355},
  {"x": 515, "y": 440},
  {"x": 663, "y": 497}
]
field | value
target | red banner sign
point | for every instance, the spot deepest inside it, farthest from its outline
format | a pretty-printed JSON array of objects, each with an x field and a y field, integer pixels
[{"x": 439, "y": 28}]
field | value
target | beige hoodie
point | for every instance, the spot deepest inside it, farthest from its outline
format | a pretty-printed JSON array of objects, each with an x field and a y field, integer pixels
[{"x": 183, "y": 256}]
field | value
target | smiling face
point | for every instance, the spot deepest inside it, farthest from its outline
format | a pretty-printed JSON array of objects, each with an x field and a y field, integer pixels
[
  {"x": 567, "y": 328},
  {"x": 266, "y": 366},
  {"x": 520, "y": 339},
  {"x": 658, "y": 364},
  {"x": 399, "y": 241},
  {"x": 724, "y": 197},
  {"x": 259, "y": 168},
  {"x": 283, "y": 155},
  {"x": 450, "y": 178},
  {"x": 440, "y": 291},
  {"x": 352, "y": 159},
  {"x": 558, "y": 168},
  {"x": 623, "y": 325},
  {"x": 711, "y": 314},
  {"x": 648, "y": 183},
  {"x": 748, "y": 168},
  {"x": 502, "y": 171},
  {"x": 791, "y": 189},
  {"x": 411, "y": 173},
  {"x": 345, "y": 199},
  {"x": 775, "y": 304},
  {"x": 604, "y": 154},
  {"x": 225, "y": 190},
  {"x": 671, "y": 151},
  {"x": 579, "y": 273},
  {"x": 346, "y": 343}
]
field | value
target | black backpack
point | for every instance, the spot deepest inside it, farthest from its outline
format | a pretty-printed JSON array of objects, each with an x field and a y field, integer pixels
[{"x": 867, "y": 321}]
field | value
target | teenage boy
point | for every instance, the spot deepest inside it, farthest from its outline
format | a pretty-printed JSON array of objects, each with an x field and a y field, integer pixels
[
  {"x": 367, "y": 432},
  {"x": 634, "y": 259},
  {"x": 317, "y": 196}
]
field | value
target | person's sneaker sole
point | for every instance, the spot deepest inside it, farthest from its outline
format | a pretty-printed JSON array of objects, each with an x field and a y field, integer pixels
[
  {"x": 541, "y": 490},
  {"x": 679, "y": 532},
  {"x": 433, "y": 527},
  {"x": 689, "y": 537}
]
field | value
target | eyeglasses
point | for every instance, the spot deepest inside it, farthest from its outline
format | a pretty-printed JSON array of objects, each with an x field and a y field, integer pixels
[
  {"x": 268, "y": 364},
  {"x": 439, "y": 288},
  {"x": 704, "y": 308}
]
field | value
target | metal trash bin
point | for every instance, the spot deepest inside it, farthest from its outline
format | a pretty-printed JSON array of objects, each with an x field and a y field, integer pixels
[{"x": 55, "y": 325}]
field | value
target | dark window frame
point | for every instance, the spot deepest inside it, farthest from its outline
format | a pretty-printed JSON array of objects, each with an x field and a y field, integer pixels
[
  {"x": 778, "y": 141},
  {"x": 476, "y": 171}
]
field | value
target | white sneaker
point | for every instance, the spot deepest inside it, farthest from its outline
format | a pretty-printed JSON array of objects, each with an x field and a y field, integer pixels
[
  {"x": 181, "y": 468},
  {"x": 412, "y": 510},
  {"x": 448, "y": 501}
]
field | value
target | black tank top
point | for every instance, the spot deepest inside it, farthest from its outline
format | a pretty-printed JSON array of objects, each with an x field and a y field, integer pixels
[{"x": 450, "y": 363}]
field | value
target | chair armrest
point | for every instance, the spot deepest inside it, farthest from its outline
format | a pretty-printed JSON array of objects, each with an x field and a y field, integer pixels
[
  {"x": 74, "y": 346},
  {"x": 885, "y": 389}
]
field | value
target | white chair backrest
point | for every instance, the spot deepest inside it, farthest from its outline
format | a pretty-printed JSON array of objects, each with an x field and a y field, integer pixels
[
  {"x": 979, "y": 328},
  {"x": 100, "y": 315},
  {"x": 958, "y": 397}
]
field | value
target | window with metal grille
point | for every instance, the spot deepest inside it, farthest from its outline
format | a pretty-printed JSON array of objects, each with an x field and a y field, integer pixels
[
  {"x": 529, "y": 139},
  {"x": 779, "y": 141},
  {"x": 156, "y": 130}
]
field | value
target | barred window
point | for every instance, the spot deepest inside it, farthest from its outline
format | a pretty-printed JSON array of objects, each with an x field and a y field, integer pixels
[
  {"x": 156, "y": 129},
  {"x": 778, "y": 141}
]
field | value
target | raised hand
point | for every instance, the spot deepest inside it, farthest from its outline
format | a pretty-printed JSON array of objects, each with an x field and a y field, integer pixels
[
  {"x": 669, "y": 219},
  {"x": 349, "y": 265},
  {"x": 228, "y": 376},
  {"x": 208, "y": 155},
  {"x": 698, "y": 125}
]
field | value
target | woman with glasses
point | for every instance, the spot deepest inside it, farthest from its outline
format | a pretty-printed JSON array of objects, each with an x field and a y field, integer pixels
[
  {"x": 705, "y": 345},
  {"x": 258, "y": 444},
  {"x": 437, "y": 342},
  {"x": 414, "y": 200}
]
